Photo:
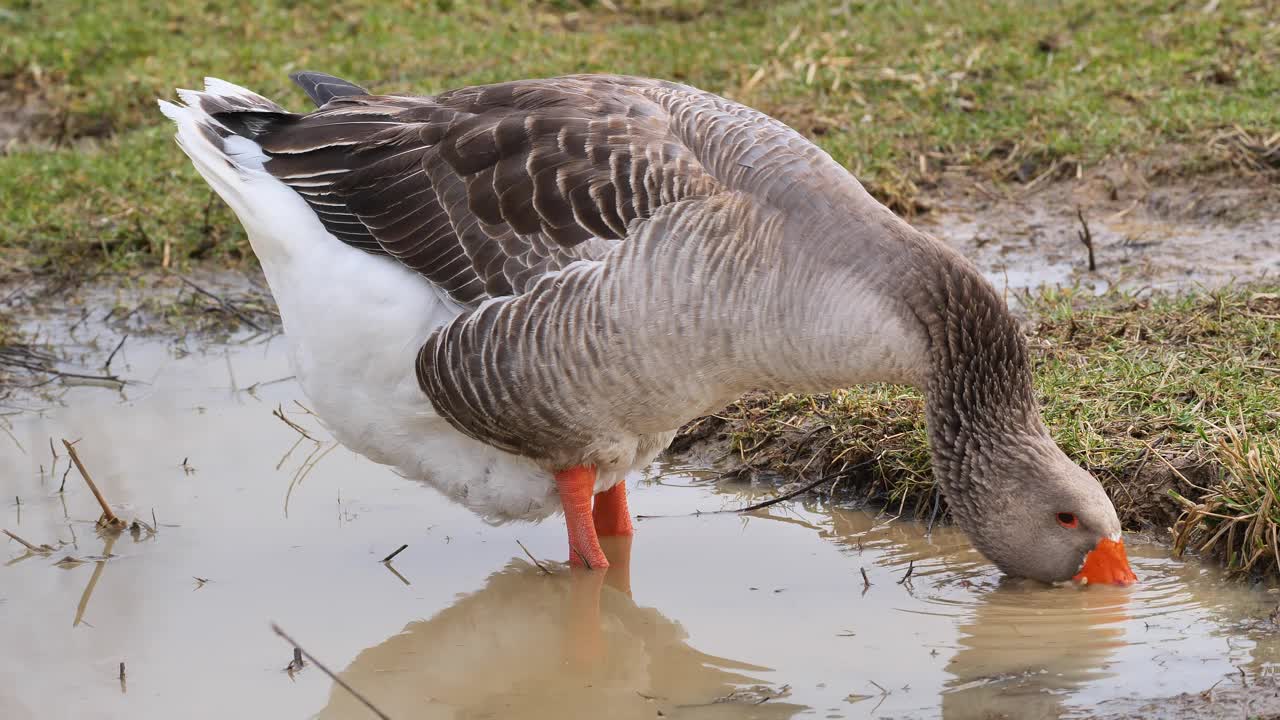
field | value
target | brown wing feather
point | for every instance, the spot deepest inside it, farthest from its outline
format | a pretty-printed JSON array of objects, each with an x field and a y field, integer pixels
[{"x": 482, "y": 190}]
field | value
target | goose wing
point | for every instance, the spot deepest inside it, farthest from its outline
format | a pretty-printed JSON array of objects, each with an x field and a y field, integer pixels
[{"x": 482, "y": 190}]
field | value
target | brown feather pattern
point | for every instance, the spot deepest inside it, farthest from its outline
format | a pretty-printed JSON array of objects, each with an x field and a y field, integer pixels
[{"x": 482, "y": 190}]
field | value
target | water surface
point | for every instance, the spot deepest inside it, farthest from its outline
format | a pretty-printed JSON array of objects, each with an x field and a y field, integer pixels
[{"x": 729, "y": 616}]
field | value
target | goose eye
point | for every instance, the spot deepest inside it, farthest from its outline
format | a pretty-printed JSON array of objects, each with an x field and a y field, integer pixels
[{"x": 1068, "y": 520}]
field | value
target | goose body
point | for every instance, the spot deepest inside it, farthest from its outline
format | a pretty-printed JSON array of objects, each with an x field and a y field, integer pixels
[{"x": 564, "y": 271}]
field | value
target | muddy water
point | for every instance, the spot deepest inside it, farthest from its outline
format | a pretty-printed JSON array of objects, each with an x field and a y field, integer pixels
[
  {"x": 728, "y": 616},
  {"x": 1023, "y": 246}
]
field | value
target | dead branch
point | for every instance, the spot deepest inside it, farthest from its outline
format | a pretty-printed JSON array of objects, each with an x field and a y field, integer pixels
[
  {"x": 911, "y": 567},
  {"x": 279, "y": 412},
  {"x": 107, "y": 365},
  {"x": 810, "y": 486},
  {"x": 226, "y": 305},
  {"x": 312, "y": 659},
  {"x": 1086, "y": 238},
  {"x": 541, "y": 567},
  {"x": 108, "y": 518},
  {"x": 41, "y": 549},
  {"x": 392, "y": 556}
]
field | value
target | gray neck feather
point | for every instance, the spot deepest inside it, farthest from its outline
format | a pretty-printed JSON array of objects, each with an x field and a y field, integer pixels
[{"x": 980, "y": 404}]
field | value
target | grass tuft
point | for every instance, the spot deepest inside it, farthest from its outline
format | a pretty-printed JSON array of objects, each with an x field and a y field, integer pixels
[{"x": 1238, "y": 519}]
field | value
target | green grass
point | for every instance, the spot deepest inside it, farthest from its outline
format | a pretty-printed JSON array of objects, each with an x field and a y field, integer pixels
[
  {"x": 1172, "y": 403},
  {"x": 894, "y": 90}
]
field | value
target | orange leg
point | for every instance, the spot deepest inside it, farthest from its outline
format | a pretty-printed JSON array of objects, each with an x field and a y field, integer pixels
[
  {"x": 618, "y": 549},
  {"x": 576, "y": 485},
  {"x": 584, "y": 638},
  {"x": 611, "y": 515}
]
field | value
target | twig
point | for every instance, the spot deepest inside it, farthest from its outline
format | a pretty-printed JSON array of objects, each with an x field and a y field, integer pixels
[
  {"x": 312, "y": 659},
  {"x": 65, "y": 473},
  {"x": 109, "y": 517},
  {"x": 1086, "y": 238},
  {"x": 106, "y": 367},
  {"x": 392, "y": 569},
  {"x": 541, "y": 567},
  {"x": 866, "y": 582},
  {"x": 781, "y": 498},
  {"x": 59, "y": 374},
  {"x": 279, "y": 412},
  {"x": 398, "y": 550},
  {"x": 296, "y": 663},
  {"x": 42, "y": 549},
  {"x": 807, "y": 488},
  {"x": 911, "y": 567},
  {"x": 574, "y": 550},
  {"x": 83, "y": 606},
  {"x": 225, "y": 304}
]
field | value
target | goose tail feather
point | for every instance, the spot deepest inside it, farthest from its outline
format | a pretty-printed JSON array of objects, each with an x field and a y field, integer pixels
[{"x": 217, "y": 128}]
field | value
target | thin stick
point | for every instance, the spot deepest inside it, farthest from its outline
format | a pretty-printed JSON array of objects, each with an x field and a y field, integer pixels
[
  {"x": 583, "y": 558},
  {"x": 312, "y": 659},
  {"x": 774, "y": 501},
  {"x": 107, "y": 546},
  {"x": 911, "y": 567},
  {"x": 107, "y": 365},
  {"x": 33, "y": 548},
  {"x": 279, "y": 412},
  {"x": 106, "y": 509},
  {"x": 541, "y": 567},
  {"x": 398, "y": 550},
  {"x": 226, "y": 305},
  {"x": 1086, "y": 238},
  {"x": 395, "y": 572},
  {"x": 866, "y": 582},
  {"x": 807, "y": 488}
]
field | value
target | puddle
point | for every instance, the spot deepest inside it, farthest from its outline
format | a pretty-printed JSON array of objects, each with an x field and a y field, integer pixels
[
  {"x": 762, "y": 616},
  {"x": 1026, "y": 246}
]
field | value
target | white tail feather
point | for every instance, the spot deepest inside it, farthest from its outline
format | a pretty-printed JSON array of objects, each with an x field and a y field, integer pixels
[{"x": 354, "y": 322}]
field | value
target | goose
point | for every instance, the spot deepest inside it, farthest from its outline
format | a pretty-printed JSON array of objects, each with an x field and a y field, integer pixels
[
  {"x": 523, "y": 641},
  {"x": 561, "y": 272}
]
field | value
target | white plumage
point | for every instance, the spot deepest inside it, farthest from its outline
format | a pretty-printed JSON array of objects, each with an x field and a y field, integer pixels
[{"x": 354, "y": 323}]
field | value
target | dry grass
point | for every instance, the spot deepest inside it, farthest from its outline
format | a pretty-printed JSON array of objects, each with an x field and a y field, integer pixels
[{"x": 1237, "y": 519}]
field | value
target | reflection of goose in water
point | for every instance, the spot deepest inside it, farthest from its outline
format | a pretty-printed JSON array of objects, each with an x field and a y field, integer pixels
[
  {"x": 530, "y": 645},
  {"x": 1024, "y": 649}
]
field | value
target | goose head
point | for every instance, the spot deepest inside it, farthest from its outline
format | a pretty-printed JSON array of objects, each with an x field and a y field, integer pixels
[
  {"x": 1024, "y": 504},
  {"x": 1036, "y": 514}
]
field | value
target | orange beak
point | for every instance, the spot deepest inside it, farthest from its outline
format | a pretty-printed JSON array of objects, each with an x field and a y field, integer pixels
[{"x": 1107, "y": 565}]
